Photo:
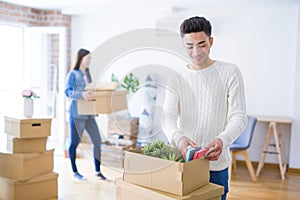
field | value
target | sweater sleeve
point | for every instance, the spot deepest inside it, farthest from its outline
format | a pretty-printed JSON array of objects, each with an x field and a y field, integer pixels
[
  {"x": 70, "y": 91},
  {"x": 236, "y": 116},
  {"x": 171, "y": 110}
]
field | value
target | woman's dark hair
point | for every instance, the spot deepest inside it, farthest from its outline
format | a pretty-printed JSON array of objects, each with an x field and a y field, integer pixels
[
  {"x": 80, "y": 54},
  {"x": 195, "y": 24}
]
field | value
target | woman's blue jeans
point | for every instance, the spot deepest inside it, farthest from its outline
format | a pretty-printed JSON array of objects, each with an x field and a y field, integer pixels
[{"x": 77, "y": 126}]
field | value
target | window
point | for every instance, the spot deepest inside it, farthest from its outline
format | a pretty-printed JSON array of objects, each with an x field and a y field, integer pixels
[
  {"x": 33, "y": 58},
  {"x": 11, "y": 78}
]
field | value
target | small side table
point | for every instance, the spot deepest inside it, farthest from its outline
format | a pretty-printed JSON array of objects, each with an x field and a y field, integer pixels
[{"x": 275, "y": 130}]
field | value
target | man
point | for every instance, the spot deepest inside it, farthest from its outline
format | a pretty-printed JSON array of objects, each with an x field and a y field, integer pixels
[{"x": 208, "y": 98}]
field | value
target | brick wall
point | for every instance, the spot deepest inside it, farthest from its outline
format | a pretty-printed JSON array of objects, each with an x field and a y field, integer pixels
[{"x": 26, "y": 16}]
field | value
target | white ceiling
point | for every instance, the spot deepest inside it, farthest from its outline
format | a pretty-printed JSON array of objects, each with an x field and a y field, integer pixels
[
  {"x": 88, "y": 6},
  {"x": 74, "y": 7}
]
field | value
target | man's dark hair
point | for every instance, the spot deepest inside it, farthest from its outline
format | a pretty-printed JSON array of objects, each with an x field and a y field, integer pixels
[{"x": 195, "y": 24}]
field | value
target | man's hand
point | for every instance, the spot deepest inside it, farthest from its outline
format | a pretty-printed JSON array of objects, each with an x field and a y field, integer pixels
[
  {"x": 88, "y": 95},
  {"x": 183, "y": 144},
  {"x": 215, "y": 149}
]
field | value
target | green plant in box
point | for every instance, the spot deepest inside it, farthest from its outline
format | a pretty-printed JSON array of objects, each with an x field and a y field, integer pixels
[{"x": 160, "y": 150}]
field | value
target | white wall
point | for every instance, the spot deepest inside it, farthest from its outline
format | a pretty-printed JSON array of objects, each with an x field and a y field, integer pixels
[
  {"x": 91, "y": 30},
  {"x": 263, "y": 44},
  {"x": 294, "y": 156},
  {"x": 261, "y": 39}
]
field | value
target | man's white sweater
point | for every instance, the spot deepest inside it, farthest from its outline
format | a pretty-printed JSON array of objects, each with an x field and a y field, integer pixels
[{"x": 206, "y": 104}]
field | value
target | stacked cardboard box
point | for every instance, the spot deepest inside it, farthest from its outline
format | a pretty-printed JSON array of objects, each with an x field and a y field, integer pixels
[
  {"x": 112, "y": 152},
  {"x": 127, "y": 128},
  {"x": 130, "y": 191},
  {"x": 147, "y": 177},
  {"x": 26, "y": 166},
  {"x": 122, "y": 135}
]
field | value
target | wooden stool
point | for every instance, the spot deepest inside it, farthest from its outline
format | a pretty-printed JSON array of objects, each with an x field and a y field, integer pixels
[{"x": 275, "y": 130}]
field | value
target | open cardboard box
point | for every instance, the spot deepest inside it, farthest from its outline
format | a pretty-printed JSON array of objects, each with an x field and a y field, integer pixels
[
  {"x": 38, "y": 188},
  {"x": 104, "y": 103},
  {"x": 174, "y": 177},
  {"x": 22, "y": 127},
  {"x": 130, "y": 191},
  {"x": 26, "y": 165},
  {"x": 26, "y": 145}
]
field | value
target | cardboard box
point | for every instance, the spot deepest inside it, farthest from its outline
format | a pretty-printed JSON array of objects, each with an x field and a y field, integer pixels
[
  {"x": 169, "y": 176},
  {"x": 112, "y": 154},
  {"x": 38, "y": 188},
  {"x": 27, "y": 145},
  {"x": 123, "y": 126},
  {"x": 104, "y": 103},
  {"x": 127, "y": 191},
  {"x": 21, "y": 127},
  {"x": 25, "y": 166}
]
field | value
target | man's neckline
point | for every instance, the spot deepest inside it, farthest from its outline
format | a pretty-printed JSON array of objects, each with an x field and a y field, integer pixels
[{"x": 188, "y": 67}]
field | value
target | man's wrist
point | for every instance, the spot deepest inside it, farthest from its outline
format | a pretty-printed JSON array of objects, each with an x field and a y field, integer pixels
[{"x": 221, "y": 141}]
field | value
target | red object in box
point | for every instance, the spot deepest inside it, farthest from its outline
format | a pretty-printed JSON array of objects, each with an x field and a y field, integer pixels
[{"x": 200, "y": 153}]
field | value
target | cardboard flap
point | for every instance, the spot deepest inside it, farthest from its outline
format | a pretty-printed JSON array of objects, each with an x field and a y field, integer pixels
[
  {"x": 193, "y": 176},
  {"x": 179, "y": 177},
  {"x": 126, "y": 164},
  {"x": 165, "y": 172},
  {"x": 141, "y": 165}
]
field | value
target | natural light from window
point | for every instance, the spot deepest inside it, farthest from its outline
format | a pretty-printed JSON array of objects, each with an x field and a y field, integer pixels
[{"x": 11, "y": 81}]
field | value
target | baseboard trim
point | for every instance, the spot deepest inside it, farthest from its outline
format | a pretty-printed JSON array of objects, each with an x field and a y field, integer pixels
[
  {"x": 255, "y": 164},
  {"x": 294, "y": 170},
  {"x": 269, "y": 165}
]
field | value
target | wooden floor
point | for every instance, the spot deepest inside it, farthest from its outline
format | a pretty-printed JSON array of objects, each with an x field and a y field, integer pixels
[{"x": 268, "y": 186}]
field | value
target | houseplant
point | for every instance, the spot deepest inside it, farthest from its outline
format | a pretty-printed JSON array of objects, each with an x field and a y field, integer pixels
[
  {"x": 160, "y": 149},
  {"x": 131, "y": 83}
]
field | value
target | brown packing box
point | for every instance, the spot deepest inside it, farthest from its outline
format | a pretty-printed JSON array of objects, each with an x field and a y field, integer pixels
[
  {"x": 21, "y": 127},
  {"x": 104, "y": 103},
  {"x": 130, "y": 191},
  {"x": 123, "y": 126},
  {"x": 27, "y": 145},
  {"x": 169, "y": 176},
  {"x": 25, "y": 166},
  {"x": 38, "y": 188},
  {"x": 112, "y": 154}
]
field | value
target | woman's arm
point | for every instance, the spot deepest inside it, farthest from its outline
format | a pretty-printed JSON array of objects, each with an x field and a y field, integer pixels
[{"x": 70, "y": 91}]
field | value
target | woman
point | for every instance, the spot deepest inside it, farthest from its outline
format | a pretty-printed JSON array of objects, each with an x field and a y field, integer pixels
[{"x": 77, "y": 79}]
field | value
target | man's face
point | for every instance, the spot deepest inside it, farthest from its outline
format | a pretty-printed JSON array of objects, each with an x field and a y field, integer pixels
[{"x": 198, "y": 46}]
